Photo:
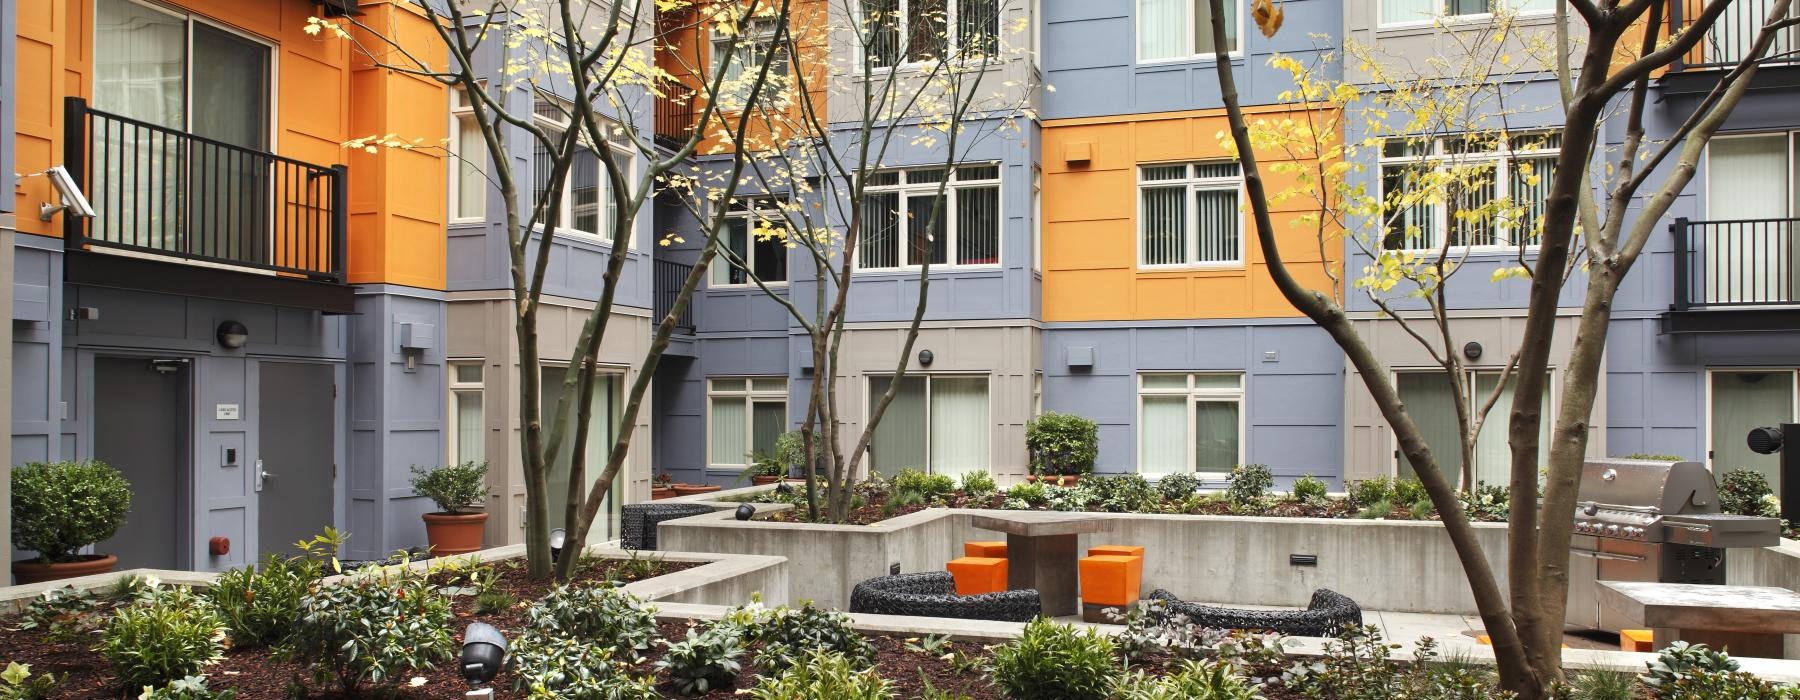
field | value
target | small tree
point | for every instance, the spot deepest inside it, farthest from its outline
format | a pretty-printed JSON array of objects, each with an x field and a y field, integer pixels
[{"x": 1062, "y": 444}]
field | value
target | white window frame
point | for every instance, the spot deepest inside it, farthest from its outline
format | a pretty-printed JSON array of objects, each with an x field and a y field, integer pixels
[
  {"x": 951, "y": 10},
  {"x": 1707, "y": 408},
  {"x": 1495, "y": 420},
  {"x": 929, "y": 377},
  {"x": 462, "y": 111},
  {"x": 1194, "y": 394},
  {"x": 925, "y": 191},
  {"x": 1501, "y": 159},
  {"x": 457, "y": 388},
  {"x": 751, "y": 396},
  {"x": 761, "y": 207},
  {"x": 760, "y": 31},
  {"x": 1137, "y": 23},
  {"x": 1192, "y": 225},
  {"x": 566, "y": 208},
  {"x": 1438, "y": 12}
]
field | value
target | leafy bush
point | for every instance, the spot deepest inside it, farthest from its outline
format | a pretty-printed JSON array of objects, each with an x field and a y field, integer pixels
[
  {"x": 705, "y": 661},
  {"x": 1124, "y": 493},
  {"x": 824, "y": 674},
  {"x": 260, "y": 605},
  {"x": 912, "y": 485},
  {"x": 789, "y": 635},
  {"x": 1683, "y": 663},
  {"x": 1193, "y": 680},
  {"x": 1368, "y": 492},
  {"x": 1746, "y": 492},
  {"x": 378, "y": 625},
  {"x": 1175, "y": 487},
  {"x": 1248, "y": 484},
  {"x": 546, "y": 666},
  {"x": 189, "y": 688},
  {"x": 1062, "y": 443},
  {"x": 979, "y": 484},
  {"x": 455, "y": 488},
  {"x": 60, "y": 507},
  {"x": 1487, "y": 503},
  {"x": 1027, "y": 495},
  {"x": 1408, "y": 491},
  {"x": 602, "y": 614},
  {"x": 1052, "y": 661},
  {"x": 1659, "y": 458},
  {"x": 17, "y": 683},
  {"x": 1310, "y": 490},
  {"x": 167, "y": 636}
]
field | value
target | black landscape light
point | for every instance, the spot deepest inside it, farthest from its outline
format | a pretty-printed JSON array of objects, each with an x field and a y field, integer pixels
[
  {"x": 557, "y": 538},
  {"x": 483, "y": 652},
  {"x": 784, "y": 488},
  {"x": 746, "y": 511}
]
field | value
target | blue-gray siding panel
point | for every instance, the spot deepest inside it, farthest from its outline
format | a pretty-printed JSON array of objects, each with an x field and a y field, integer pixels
[
  {"x": 1657, "y": 382},
  {"x": 679, "y": 429},
  {"x": 396, "y": 419},
  {"x": 37, "y": 384}
]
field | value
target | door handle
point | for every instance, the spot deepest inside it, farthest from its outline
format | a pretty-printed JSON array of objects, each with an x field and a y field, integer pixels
[{"x": 261, "y": 475}]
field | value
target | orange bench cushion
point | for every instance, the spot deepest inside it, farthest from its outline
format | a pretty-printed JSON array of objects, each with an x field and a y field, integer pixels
[
  {"x": 1110, "y": 580},
  {"x": 977, "y": 575},
  {"x": 1637, "y": 640},
  {"x": 1116, "y": 550},
  {"x": 985, "y": 549}
]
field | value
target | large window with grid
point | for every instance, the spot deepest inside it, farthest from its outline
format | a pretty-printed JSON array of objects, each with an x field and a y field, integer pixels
[
  {"x": 1397, "y": 12},
  {"x": 1467, "y": 192},
  {"x": 603, "y": 431},
  {"x": 755, "y": 232},
  {"x": 899, "y": 32},
  {"x": 1433, "y": 407},
  {"x": 1188, "y": 214},
  {"x": 936, "y": 422},
  {"x": 468, "y": 418},
  {"x": 745, "y": 415},
  {"x": 755, "y": 43},
  {"x": 1182, "y": 29},
  {"x": 469, "y": 153},
  {"x": 1190, "y": 423},
  {"x": 587, "y": 207},
  {"x": 904, "y": 219}
]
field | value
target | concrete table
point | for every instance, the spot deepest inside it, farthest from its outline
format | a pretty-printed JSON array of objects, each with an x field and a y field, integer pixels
[
  {"x": 1749, "y": 619},
  {"x": 1042, "y": 553}
]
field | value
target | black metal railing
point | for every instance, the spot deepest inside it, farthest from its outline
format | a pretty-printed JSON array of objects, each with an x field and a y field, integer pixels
[
  {"x": 669, "y": 277},
  {"x": 1731, "y": 37},
  {"x": 169, "y": 193},
  {"x": 674, "y": 114},
  {"x": 1750, "y": 262}
]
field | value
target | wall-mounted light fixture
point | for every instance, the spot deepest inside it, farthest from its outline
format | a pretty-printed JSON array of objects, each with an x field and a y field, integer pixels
[
  {"x": 1472, "y": 350},
  {"x": 925, "y": 358},
  {"x": 233, "y": 335}
]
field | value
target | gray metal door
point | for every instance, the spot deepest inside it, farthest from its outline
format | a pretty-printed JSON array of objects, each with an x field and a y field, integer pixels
[
  {"x": 295, "y": 415},
  {"x": 140, "y": 428}
]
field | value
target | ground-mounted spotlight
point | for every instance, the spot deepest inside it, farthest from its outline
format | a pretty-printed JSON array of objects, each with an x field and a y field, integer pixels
[
  {"x": 557, "y": 538},
  {"x": 746, "y": 511},
  {"x": 784, "y": 488},
  {"x": 483, "y": 653}
]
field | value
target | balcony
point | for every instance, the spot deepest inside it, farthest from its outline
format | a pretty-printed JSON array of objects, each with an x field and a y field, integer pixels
[
  {"x": 1732, "y": 36},
  {"x": 177, "y": 213},
  {"x": 674, "y": 115},
  {"x": 1735, "y": 276},
  {"x": 670, "y": 275}
]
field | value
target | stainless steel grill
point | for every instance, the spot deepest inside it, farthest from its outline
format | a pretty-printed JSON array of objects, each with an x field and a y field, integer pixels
[{"x": 1650, "y": 520}]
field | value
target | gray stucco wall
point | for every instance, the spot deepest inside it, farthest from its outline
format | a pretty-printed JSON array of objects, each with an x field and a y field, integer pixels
[
  {"x": 6, "y": 361},
  {"x": 396, "y": 418}
]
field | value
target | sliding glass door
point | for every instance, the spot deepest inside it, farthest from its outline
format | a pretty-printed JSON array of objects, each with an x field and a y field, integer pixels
[
  {"x": 1739, "y": 401},
  {"x": 938, "y": 423},
  {"x": 603, "y": 426}
]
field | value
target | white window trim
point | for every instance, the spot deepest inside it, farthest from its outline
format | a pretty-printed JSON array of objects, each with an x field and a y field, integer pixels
[
  {"x": 758, "y": 34},
  {"x": 1501, "y": 160},
  {"x": 869, "y": 386},
  {"x": 1550, "y": 392},
  {"x": 1439, "y": 14},
  {"x": 1137, "y": 22},
  {"x": 951, "y": 10},
  {"x": 1707, "y": 407},
  {"x": 461, "y": 110},
  {"x": 1194, "y": 395},
  {"x": 926, "y": 190},
  {"x": 757, "y": 210},
  {"x": 566, "y": 207},
  {"x": 1192, "y": 225},
  {"x": 456, "y": 387},
  {"x": 1793, "y": 143},
  {"x": 750, "y": 396}
]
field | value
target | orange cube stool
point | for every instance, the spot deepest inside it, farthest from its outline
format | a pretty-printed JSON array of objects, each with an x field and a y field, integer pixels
[
  {"x": 977, "y": 575},
  {"x": 1637, "y": 640},
  {"x": 995, "y": 550},
  {"x": 1116, "y": 550},
  {"x": 1110, "y": 580}
]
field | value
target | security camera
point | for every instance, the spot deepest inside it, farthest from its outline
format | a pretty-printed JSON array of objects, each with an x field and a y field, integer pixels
[{"x": 73, "y": 202}]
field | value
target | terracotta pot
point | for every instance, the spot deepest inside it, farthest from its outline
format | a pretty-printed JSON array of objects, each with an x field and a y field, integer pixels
[
  {"x": 658, "y": 493},
  {"x": 34, "y": 571},
  {"x": 691, "y": 489},
  {"x": 454, "y": 534},
  {"x": 760, "y": 480},
  {"x": 1052, "y": 479}
]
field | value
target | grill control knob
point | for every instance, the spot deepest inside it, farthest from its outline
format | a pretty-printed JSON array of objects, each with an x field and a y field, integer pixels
[{"x": 1612, "y": 530}]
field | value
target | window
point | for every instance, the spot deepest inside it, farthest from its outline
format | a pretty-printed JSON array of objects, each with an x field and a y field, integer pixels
[
  {"x": 1747, "y": 257},
  {"x": 1424, "y": 11},
  {"x": 1432, "y": 404},
  {"x": 754, "y": 44},
  {"x": 1494, "y": 197},
  {"x": 755, "y": 232},
  {"x": 467, "y": 418},
  {"x": 899, "y": 32},
  {"x": 936, "y": 422},
  {"x": 744, "y": 416},
  {"x": 603, "y": 431},
  {"x": 1182, "y": 29},
  {"x": 1188, "y": 214},
  {"x": 1739, "y": 400},
  {"x": 904, "y": 204},
  {"x": 469, "y": 153},
  {"x": 1190, "y": 423},
  {"x": 587, "y": 206}
]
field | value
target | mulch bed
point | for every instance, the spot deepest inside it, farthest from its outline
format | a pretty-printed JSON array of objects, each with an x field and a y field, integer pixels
[{"x": 879, "y": 509}]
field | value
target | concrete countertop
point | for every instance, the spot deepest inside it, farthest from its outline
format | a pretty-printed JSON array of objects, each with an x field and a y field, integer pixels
[{"x": 1751, "y": 609}]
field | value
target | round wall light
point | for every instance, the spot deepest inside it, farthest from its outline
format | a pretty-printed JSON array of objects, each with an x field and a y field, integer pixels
[
  {"x": 925, "y": 358},
  {"x": 233, "y": 335},
  {"x": 1472, "y": 350}
]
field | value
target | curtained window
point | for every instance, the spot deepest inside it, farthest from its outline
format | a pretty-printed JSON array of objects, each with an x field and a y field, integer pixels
[
  {"x": 754, "y": 45},
  {"x": 468, "y": 440},
  {"x": 901, "y": 32},
  {"x": 587, "y": 207},
  {"x": 1188, "y": 215},
  {"x": 468, "y": 196},
  {"x": 938, "y": 423},
  {"x": 1180, "y": 29},
  {"x": 1740, "y": 400},
  {"x": 744, "y": 417},
  {"x": 1190, "y": 423},
  {"x": 1479, "y": 192},
  {"x": 906, "y": 222},
  {"x": 1431, "y": 402},
  {"x": 756, "y": 231},
  {"x": 1746, "y": 258},
  {"x": 1421, "y": 11},
  {"x": 603, "y": 431}
]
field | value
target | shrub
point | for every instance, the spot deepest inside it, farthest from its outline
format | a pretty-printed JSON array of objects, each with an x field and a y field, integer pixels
[
  {"x": 1027, "y": 495},
  {"x": 60, "y": 507},
  {"x": 189, "y": 688},
  {"x": 1310, "y": 490},
  {"x": 167, "y": 636},
  {"x": 1746, "y": 492},
  {"x": 1408, "y": 491},
  {"x": 1659, "y": 458},
  {"x": 1248, "y": 484},
  {"x": 17, "y": 683},
  {"x": 260, "y": 606},
  {"x": 1192, "y": 680},
  {"x": 1175, "y": 487},
  {"x": 601, "y": 614},
  {"x": 1124, "y": 493},
  {"x": 789, "y": 635},
  {"x": 1486, "y": 502},
  {"x": 377, "y": 626},
  {"x": 979, "y": 484},
  {"x": 1051, "y": 661},
  {"x": 455, "y": 488},
  {"x": 1371, "y": 491},
  {"x": 824, "y": 674},
  {"x": 546, "y": 666},
  {"x": 912, "y": 485},
  {"x": 705, "y": 661},
  {"x": 1062, "y": 443}
]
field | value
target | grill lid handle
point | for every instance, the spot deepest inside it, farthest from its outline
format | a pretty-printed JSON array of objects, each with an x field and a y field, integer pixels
[{"x": 1609, "y": 475}]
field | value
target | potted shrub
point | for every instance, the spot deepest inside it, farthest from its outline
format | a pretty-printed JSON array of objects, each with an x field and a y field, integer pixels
[
  {"x": 1062, "y": 447},
  {"x": 459, "y": 491},
  {"x": 765, "y": 469},
  {"x": 663, "y": 486},
  {"x": 691, "y": 489},
  {"x": 790, "y": 452},
  {"x": 61, "y": 507}
]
